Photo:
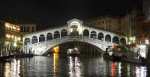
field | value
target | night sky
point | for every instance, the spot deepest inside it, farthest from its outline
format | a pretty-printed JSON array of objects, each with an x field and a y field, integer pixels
[{"x": 57, "y": 12}]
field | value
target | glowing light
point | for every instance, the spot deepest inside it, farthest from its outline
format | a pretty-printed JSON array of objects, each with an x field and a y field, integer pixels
[
  {"x": 15, "y": 68},
  {"x": 119, "y": 69},
  {"x": 15, "y": 44},
  {"x": 77, "y": 25},
  {"x": 18, "y": 29},
  {"x": 132, "y": 40},
  {"x": 7, "y": 72},
  {"x": 56, "y": 49},
  {"x": 113, "y": 70},
  {"x": 55, "y": 62},
  {"x": 146, "y": 41},
  {"x": 74, "y": 67},
  {"x": 7, "y": 25},
  {"x": 12, "y": 36},
  {"x": 141, "y": 71},
  {"x": 143, "y": 50},
  {"x": 15, "y": 38},
  {"x": 114, "y": 45},
  {"x": 14, "y": 27},
  {"x": 8, "y": 36},
  {"x": 18, "y": 38},
  {"x": 7, "y": 43}
]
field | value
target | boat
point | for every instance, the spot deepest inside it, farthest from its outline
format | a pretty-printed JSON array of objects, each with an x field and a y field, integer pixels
[{"x": 73, "y": 52}]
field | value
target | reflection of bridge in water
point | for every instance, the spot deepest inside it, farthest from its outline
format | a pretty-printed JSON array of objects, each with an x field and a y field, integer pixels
[{"x": 41, "y": 42}]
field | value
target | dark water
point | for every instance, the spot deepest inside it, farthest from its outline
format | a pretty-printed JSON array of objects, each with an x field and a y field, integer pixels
[{"x": 60, "y": 66}]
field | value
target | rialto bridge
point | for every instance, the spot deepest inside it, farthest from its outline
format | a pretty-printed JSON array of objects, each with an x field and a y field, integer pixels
[{"x": 40, "y": 42}]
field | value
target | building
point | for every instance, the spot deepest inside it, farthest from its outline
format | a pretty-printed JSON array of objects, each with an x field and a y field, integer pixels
[
  {"x": 146, "y": 9},
  {"x": 106, "y": 23},
  {"x": 28, "y": 28},
  {"x": 123, "y": 25},
  {"x": 10, "y": 37}
]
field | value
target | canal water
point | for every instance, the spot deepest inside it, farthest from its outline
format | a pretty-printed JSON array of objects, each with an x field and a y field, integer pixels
[{"x": 57, "y": 65}]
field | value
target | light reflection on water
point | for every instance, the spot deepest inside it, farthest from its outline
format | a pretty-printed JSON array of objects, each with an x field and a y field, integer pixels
[
  {"x": 74, "y": 67},
  {"x": 12, "y": 69},
  {"x": 141, "y": 71},
  {"x": 58, "y": 66},
  {"x": 55, "y": 64}
]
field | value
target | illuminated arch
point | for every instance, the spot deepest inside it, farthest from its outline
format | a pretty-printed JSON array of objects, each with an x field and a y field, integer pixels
[
  {"x": 49, "y": 36},
  {"x": 27, "y": 41},
  {"x": 86, "y": 33},
  {"x": 34, "y": 39},
  {"x": 108, "y": 38},
  {"x": 56, "y": 34},
  {"x": 42, "y": 38},
  {"x": 93, "y": 34},
  {"x": 64, "y": 33},
  {"x": 115, "y": 40},
  {"x": 123, "y": 41},
  {"x": 100, "y": 36}
]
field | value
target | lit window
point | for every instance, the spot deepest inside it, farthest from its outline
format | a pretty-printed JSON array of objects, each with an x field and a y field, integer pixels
[
  {"x": 7, "y": 25},
  {"x": 14, "y": 28},
  {"x": 18, "y": 38},
  {"x": 7, "y": 35},
  {"x": 12, "y": 36},
  {"x": 18, "y": 29}
]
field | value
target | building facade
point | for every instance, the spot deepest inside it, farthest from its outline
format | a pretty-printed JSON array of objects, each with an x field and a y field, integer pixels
[
  {"x": 28, "y": 28},
  {"x": 123, "y": 25},
  {"x": 10, "y": 38}
]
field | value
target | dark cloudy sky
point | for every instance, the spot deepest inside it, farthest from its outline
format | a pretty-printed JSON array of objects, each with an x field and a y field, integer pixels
[{"x": 59, "y": 11}]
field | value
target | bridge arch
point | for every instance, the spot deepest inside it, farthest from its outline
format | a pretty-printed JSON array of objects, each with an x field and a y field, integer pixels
[
  {"x": 64, "y": 33},
  {"x": 86, "y": 32},
  {"x": 100, "y": 36},
  {"x": 49, "y": 36},
  {"x": 115, "y": 40},
  {"x": 26, "y": 41},
  {"x": 56, "y": 34},
  {"x": 34, "y": 39},
  {"x": 108, "y": 38},
  {"x": 41, "y": 38},
  {"x": 123, "y": 41},
  {"x": 93, "y": 34},
  {"x": 83, "y": 42}
]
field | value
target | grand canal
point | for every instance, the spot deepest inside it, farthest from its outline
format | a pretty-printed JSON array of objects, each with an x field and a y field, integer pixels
[{"x": 57, "y": 65}]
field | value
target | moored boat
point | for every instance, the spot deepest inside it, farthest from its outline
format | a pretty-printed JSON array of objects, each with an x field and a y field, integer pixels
[
  {"x": 73, "y": 52},
  {"x": 119, "y": 54}
]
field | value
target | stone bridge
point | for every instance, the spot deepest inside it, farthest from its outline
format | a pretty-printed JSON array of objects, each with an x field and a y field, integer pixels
[{"x": 40, "y": 42}]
